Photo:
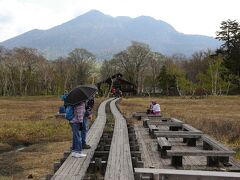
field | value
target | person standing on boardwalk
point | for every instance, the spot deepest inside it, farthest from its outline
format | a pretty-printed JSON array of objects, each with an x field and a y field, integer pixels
[
  {"x": 75, "y": 111},
  {"x": 86, "y": 118},
  {"x": 76, "y": 124}
]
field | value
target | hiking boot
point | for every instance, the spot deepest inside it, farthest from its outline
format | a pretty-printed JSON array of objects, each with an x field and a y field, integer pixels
[
  {"x": 86, "y": 146},
  {"x": 78, "y": 155}
]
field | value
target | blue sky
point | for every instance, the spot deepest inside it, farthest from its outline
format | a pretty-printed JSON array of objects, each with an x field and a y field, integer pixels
[{"x": 187, "y": 16}]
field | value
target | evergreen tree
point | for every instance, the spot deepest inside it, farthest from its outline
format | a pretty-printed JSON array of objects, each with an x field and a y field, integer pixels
[
  {"x": 166, "y": 81},
  {"x": 230, "y": 35}
]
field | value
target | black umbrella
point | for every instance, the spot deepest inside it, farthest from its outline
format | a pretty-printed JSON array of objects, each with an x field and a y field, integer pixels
[{"x": 80, "y": 94}]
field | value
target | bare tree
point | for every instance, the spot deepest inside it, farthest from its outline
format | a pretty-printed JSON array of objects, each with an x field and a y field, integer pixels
[
  {"x": 134, "y": 62},
  {"x": 82, "y": 62}
]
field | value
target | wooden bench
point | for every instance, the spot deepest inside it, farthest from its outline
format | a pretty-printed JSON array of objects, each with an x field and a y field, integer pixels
[
  {"x": 162, "y": 123},
  {"x": 119, "y": 164},
  {"x": 213, "y": 157},
  {"x": 174, "y": 127},
  {"x": 140, "y": 115},
  {"x": 145, "y": 120},
  {"x": 163, "y": 146},
  {"x": 154, "y": 121},
  {"x": 190, "y": 136},
  {"x": 172, "y": 174},
  {"x": 211, "y": 144},
  {"x": 187, "y": 127},
  {"x": 152, "y": 129}
]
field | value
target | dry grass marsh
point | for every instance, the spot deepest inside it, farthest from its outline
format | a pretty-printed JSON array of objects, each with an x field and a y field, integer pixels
[
  {"x": 30, "y": 121},
  {"x": 216, "y": 116}
]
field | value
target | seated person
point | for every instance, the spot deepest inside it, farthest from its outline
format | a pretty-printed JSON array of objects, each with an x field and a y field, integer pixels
[
  {"x": 156, "y": 110},
  {"x": 149, "y": 110}
]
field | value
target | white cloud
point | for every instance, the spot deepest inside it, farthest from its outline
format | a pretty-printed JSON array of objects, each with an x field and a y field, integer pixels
[{"x": 187, "y": 16}]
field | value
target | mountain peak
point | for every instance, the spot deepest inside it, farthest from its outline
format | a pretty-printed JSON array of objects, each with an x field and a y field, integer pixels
[
  {"x": 146, "y": 18},
  {"x": 93, "y": 12}
]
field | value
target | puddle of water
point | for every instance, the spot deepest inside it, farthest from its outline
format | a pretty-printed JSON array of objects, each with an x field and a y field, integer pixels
[{"x": 20, "y": 149}]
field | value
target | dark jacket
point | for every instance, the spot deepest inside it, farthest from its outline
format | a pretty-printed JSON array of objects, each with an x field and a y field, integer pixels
[{"x": 89, "y": 106}]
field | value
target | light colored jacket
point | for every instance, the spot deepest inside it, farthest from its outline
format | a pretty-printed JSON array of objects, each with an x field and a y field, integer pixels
[{"x": 156, "y": 108}]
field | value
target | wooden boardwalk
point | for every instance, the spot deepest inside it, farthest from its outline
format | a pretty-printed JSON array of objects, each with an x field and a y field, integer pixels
[
  {"x": 119, "y": 165},
  {"x": 75, "y": 168},
  {"x": 152, "y": 157},
  {"x": 176, "y": 142}
]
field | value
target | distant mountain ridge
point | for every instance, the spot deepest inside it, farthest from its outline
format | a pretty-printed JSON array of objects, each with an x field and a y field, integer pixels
[{"x": 105, "y": 36}]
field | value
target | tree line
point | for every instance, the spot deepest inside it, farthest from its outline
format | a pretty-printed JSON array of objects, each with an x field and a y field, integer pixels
[
  {"x": 24, "y": 71},
  {"x": 206, "y": 72}
]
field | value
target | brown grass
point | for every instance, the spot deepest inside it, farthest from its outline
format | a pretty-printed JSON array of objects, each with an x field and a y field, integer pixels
[
  {"x": 26, "y": 121},
  {"x": 216, "y": 116}
]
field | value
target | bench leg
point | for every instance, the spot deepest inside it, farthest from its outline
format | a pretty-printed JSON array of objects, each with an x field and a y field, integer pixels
[
  {"x": 152, "y": 135},
  {"x": 173, "y": 128},
  {"x": 207, "y": 146},
  {"x": 163, "y": 153},
  {"x": 176, "y": 161},
  {"x": 145, "y": 123},
  {"x": 212, "y": 161},
  {"x": 225, "y": 161},
  {"x": 191, "y": 142}
]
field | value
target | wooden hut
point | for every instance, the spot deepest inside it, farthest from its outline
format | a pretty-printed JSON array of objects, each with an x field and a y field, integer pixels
[{"x": 116, "y": 81}]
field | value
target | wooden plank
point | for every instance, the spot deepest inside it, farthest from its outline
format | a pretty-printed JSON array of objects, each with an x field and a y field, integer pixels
[
  {"x": 161, "y": 123},
  {"x": 216, "y": 145},
  {"x": 119, "y": 164},
  {"x": 171, "y": 174},
  {"x": 163, "y": 142},
  {"x": 152, "y": 129},
  {"x": 75, "y": 168},
  {"x": 199, "y": 153},
  {"x": 190, "y": 128},
  {"x": 163, "y": 146},
  {"x": 176, "y": 134},
  {"x": 144, "y": 114},
  {"x": 177, "y": 120}
]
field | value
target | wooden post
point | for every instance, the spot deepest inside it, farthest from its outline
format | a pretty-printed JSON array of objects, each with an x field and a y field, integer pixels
[
  {"x": 212, "y": 161},
  {"x": 140, "y": 164},
  {"x": 156, "y": 176},
  {"x": 98, "y": 164},
  {"x": 66, "y": 154},
  {"x": 49, "y": 176},
  {"x": 173, "y": 128},
  {"x": 134, "y": 161},
  {"x": 176, "y": 161},
  {"x": 191, "y": 142},
  {"x": 56, "y": 166},
  {"x": 206, "y": 146}
]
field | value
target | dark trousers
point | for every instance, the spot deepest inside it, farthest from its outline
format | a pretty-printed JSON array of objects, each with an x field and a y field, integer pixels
[
  {"x": 76, "y": 138},
  {"x": 84, "y": 130}
]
